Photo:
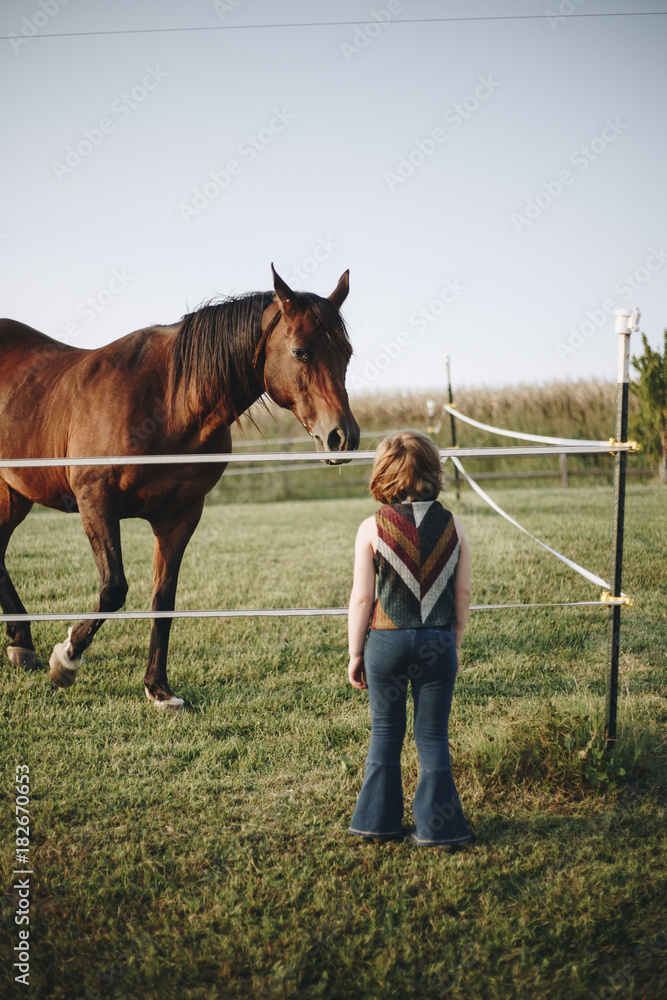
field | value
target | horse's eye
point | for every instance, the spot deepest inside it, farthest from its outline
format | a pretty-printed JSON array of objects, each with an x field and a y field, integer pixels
[{"x": 301, "y": 353}]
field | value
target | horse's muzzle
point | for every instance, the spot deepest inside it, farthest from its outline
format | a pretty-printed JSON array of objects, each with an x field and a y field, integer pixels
[{"x": 344, "y": 437}]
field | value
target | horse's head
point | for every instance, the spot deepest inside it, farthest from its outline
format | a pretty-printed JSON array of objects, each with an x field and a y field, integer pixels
[{"x": 306, "y": 354}]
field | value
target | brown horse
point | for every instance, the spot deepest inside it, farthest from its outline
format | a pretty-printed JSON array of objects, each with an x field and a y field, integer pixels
[{"x": 163, "y": 390}]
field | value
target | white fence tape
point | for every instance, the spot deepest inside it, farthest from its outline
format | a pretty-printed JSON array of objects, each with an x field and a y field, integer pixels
[
  {"x": 540, "y": 438},
  {"x": 345, "y": 457},
  {"x": 591, "y": 577},
  {"x": 251, "y": 612},
  {"x": 220, "y": 613}
]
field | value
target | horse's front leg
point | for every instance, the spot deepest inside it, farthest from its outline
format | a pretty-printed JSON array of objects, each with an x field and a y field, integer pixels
[
  {"x": 102, "y": 527},
  {"x": 171, "y": 538}
]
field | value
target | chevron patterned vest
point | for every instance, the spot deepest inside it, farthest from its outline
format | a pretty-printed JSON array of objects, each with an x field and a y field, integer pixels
[{"x": 415, "y": 563}]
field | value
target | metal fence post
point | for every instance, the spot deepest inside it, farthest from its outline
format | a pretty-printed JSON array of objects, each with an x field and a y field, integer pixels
[{"x": 624, "y": 327}]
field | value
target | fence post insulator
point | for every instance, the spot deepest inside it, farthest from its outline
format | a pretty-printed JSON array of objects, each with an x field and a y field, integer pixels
[{"x": 622, "y": 601}]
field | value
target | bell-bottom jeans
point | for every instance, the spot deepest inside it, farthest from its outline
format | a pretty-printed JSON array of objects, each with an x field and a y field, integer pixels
[{"x": 395, "y": 659}]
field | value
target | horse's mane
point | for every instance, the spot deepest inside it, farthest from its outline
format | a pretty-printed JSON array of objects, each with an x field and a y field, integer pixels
[
  {"x": 217, "y": 346},
  {"x": 215, "y": 350}
]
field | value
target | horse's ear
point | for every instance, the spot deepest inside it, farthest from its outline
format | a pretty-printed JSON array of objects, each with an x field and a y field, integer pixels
[
  {"x": 339, "y": 294},
  {"x": 285, "y": 294}
]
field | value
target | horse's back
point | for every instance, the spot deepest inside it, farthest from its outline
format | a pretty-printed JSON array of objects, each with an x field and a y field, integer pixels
[
  {"x": 84, "y": 396},
  {"x": 15, "y": 335},
  {"x": 56, "y": 399},
  {"x": 29, "y": 358},
  {"x": 25, "y": 352}
]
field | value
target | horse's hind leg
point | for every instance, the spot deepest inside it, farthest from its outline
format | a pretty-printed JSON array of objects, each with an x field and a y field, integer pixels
[
  {"x": 103, "y": 530},
  {"x": 13, "y": 509}
]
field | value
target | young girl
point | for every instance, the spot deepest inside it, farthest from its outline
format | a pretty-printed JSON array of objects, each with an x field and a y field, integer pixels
[{"x": 412, "y": 554}]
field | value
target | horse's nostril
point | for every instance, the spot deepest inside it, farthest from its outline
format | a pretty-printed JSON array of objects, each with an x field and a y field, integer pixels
[{"x": 336, "y": 440}]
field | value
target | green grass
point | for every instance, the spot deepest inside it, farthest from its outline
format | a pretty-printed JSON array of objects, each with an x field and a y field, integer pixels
[{"x": 205, "y": 854}]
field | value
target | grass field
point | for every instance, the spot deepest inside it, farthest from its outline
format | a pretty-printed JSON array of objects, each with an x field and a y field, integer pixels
[{"x": 205, "y": 854}]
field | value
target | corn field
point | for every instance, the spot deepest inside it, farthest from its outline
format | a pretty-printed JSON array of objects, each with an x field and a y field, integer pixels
[{"x": 582, "y": 410}]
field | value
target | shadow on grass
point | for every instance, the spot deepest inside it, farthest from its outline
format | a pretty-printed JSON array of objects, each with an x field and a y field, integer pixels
[{"x": 612, "y": 822}]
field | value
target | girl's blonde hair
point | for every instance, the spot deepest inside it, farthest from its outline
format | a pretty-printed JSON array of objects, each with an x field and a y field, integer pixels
[{"x": 407, "y": 464}]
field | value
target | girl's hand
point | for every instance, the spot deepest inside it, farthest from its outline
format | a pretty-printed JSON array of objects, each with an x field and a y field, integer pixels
[{"x": 356, "y": 672}]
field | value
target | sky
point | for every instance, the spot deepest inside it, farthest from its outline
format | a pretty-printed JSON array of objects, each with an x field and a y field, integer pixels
[{"x": 491, "y": 173}]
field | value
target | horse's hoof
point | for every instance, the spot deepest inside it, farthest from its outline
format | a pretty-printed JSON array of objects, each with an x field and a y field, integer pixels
[
  {"x": 21, "y": 657},
  {"x": 63, "y": 669},
  {"x": 172, "y": 703}
]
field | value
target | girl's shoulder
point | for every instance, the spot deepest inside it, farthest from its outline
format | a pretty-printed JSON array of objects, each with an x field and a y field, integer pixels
[{"x": 367, "y": 529}]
